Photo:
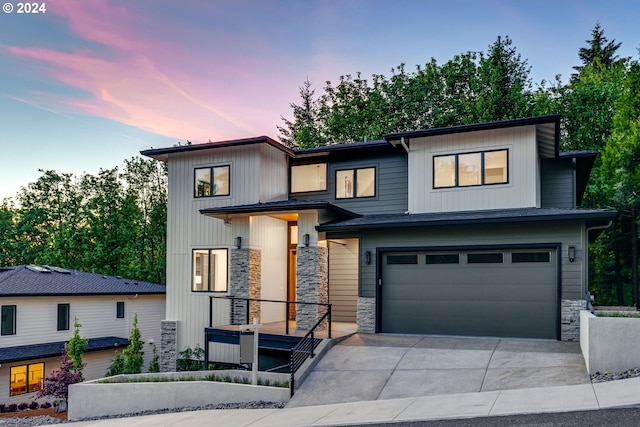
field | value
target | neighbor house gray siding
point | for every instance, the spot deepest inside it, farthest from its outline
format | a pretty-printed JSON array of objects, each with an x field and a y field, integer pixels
[
  {"x": 557, "y": 184},
  {"x": 391, "y": 185},
  {"x": 567, "y": 234}
]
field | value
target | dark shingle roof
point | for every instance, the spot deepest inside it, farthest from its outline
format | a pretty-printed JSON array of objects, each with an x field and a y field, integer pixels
[
  {"x": 26, "y": 280},
  {"x": 53, "y": 349},
  {"x": 468, "y": 218}
]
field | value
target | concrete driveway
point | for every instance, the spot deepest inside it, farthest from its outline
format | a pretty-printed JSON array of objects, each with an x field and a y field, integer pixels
[{"x": 382, "y": 366}]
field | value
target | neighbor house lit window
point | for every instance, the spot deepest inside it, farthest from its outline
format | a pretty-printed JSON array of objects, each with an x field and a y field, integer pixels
[
  {"x": 212, "y": 181},
  {"x": 63, "y": 317},
  {"x": 309, "y": 178},
  {"x": 470, "y": 169},
  {"x": 25, "y": 378},
  {"x": 352, "y": 183},
  {"x": 209, "y": 270},
  {"x": 8, "y": 315}
]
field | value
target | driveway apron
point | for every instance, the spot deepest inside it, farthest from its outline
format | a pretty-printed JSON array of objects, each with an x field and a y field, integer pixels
[{"x": 384, "y": 366}]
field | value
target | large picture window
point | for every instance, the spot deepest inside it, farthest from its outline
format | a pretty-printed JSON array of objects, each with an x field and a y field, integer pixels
[
  {"x": 352, "y": 183},
  {"x": 470, "y": 169},
  {"x": 212, "y": 181},
  {"x": 63, "y": 317},
  {"x": 209, "y": 270},
  {"x": 311, "y": 177},
  {"x": 8, "y": 316},
  {"x": 26, "y": 378}
]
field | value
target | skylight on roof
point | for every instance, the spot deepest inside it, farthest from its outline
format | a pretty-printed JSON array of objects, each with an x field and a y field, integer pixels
[
  {"x": 59, "y": 270},
  {"x": 38, "y": 269}
]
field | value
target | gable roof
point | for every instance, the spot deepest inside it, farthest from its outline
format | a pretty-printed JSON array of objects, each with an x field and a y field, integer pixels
[
  {"x": 163, "y": 153},
  {"x": 32, "y": 280}
]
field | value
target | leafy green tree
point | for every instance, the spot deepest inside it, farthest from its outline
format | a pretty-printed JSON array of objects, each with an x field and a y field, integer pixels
[
  {"x": 154, "y": 365},
  {"x": 76, "y": 347},
  {"x": 304, "y": 131},
  {"x": 131, "y": 359}
]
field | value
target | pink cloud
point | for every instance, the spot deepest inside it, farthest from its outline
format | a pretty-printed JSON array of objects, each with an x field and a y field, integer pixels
[{"x": 198, "y": 91}]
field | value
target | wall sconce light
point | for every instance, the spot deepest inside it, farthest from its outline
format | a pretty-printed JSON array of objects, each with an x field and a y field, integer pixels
[
  {"x": 572, "y": 253},
  {"x": 238, "y": 242},
  {"x": 367, "y": 257},
  {"x": 306, "y": 240}
]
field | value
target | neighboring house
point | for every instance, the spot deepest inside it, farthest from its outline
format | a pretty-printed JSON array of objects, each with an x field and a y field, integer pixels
[
  {"x": 464, "y": 230},
  {"x": 38, "y": 307}
]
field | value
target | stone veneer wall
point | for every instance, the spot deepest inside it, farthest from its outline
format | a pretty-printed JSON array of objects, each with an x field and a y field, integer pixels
[
  {"x": 312, "y": 285},
  {"x": 570, "y": 322},
  {"x": 168, "y": 345},
  {"x": 366, "y": 318},
  {"x": 245, "y": 282}
]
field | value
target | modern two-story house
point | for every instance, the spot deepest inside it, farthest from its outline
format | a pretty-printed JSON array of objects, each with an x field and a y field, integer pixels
[
  {"x": 464, "y": 230},
  {"x": 38, "y": 307}
]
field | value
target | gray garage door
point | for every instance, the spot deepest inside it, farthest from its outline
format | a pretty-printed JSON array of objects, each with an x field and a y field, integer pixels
[{"x": 507, "y": 293}]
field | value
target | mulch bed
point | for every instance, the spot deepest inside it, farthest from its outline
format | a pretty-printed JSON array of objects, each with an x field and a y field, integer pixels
[{"x": 34, "y": 413}]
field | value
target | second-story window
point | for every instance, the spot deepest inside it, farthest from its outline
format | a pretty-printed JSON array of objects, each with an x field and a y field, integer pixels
[
  {"x": 8, "y": 315},
  {"x": 63, "y": 317},
  {"x": 470, "y": 169},
  {"x": 352, "y": 183},
  {"x": 212, "y": 181},
  {"x": 120, "y": 310},
  {"x": 311, "y": 177}
]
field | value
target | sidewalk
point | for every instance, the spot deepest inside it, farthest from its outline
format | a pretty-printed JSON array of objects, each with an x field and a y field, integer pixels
[{"x": 466, "y": 405}]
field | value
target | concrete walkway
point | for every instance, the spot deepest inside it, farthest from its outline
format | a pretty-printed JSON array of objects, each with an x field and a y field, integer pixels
[{"x": 385, "y": 378}]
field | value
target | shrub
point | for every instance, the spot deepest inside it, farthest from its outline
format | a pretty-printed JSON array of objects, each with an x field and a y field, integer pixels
[
  {"x": 46, "y": 405},
  {"x": 191, "y": 359},
  {"x": 131, "y": 359},
  {"x": 34, "y": 405},
  {"x": 2, "y": 408},
  {"x": 58, "y": 382},
  {"x": 11, "y": 407},
  {"x": 22, "y": 406},
  {"x": 154, "y": 365}
]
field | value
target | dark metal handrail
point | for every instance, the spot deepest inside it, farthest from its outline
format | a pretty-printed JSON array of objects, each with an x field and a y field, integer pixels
[{"x": 305, "y": 348}]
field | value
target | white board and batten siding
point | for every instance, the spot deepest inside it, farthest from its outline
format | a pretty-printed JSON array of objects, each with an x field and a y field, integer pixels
[
  {"x": 258, "y": 174},
  {"x": 522, "y": 189}
]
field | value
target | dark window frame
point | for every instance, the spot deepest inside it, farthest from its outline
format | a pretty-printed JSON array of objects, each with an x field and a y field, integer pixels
[
  {"x": 64, "y": 314},
  {"x": 120, "y": 310},
  {"x": 211, "y": 178},
  {"x": 457, "y": 170},
  {"x": 4, "y": 320},
  {"x": 326, "y": 178},
  {"x": 29, "y": 386},
  {"x": 355, "y": 182},
  {"x": 208, "y": 289}
]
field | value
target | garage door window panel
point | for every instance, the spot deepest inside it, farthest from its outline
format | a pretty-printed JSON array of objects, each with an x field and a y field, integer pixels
[
  {"x": 530, "y": 257},
  {"x": 485, "y": 258},
  {"x": 402, "y": 259},
  {"x": 442, "y": 259}
]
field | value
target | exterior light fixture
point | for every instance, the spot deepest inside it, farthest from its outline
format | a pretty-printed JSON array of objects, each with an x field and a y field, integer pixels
[
  {"x": 572, "y": 253},
  {"x": 238, "y": 242},
  {"x": 306, "y": 240},
  {"x": 367, "y": 257}
]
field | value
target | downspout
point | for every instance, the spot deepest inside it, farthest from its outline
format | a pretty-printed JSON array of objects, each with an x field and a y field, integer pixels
[{"x": 585, "y": 266}]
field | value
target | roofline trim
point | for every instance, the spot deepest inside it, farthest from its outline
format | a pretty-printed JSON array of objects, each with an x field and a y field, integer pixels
[
  {"x": 159, "y": 152},
  {"x": 553, "y": 118}
]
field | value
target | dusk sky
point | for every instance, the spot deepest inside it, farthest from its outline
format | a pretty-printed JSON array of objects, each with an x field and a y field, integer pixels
[{"x": 89, "y": 83}]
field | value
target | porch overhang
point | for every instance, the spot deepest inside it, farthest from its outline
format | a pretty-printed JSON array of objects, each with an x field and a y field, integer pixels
[
  {"x": 335, "y": 213},
  {"x": 592, "y": 217}
]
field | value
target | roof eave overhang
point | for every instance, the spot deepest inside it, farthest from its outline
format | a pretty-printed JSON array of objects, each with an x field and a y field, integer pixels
[
  {"x": 226, "y": 213},
  {"x": 592, "y": 219}
]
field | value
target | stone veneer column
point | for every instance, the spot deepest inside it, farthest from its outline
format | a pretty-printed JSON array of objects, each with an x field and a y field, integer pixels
[
  {"x": 168, "y": 345},
  {"x": 570, "y": 323},
  {"x": 312, "y": 285},
  {"x": 244, "y": 282},
  {"x": 366, "y": 317}
]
